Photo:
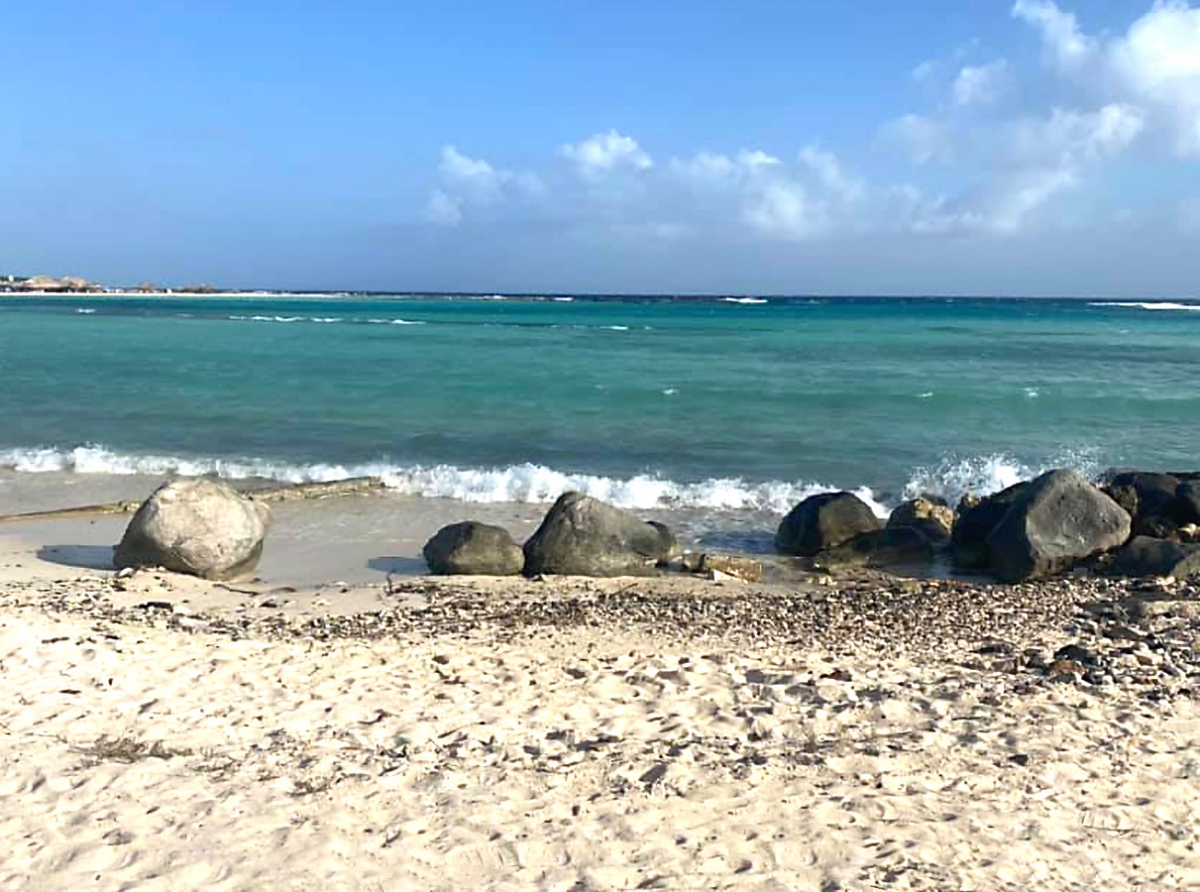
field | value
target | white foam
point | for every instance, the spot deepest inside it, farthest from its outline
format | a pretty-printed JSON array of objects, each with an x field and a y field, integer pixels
[
  {"x": 84, "y": 311},
  {"x": 562, "y": 300},
  {"x": 1147, "y": 305},
  {"x": 745, "y": 300},
  {"x": 529, "y": 483},
  {"x": 983, "y": 475},
  {"x": 616, "y": 327}
]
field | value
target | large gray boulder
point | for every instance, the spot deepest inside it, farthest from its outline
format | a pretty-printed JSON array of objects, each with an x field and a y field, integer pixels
[
  {"x": 199, "y": 526},
  {"x": 1143, "y": 556},
  {"x": 582, "y": 536},
  {"x": 1057, "y": 520},
  {"x": 824, "y": 521},
  {"x": 473, "y": 549}
]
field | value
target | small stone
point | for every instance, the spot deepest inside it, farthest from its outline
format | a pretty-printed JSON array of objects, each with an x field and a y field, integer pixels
[
  {"x": 1073, "y": 653},
  {"x": 1066, "y": 667}
]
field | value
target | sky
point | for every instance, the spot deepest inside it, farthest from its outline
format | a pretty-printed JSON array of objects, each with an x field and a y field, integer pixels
[{"x": 683, "y": 146}]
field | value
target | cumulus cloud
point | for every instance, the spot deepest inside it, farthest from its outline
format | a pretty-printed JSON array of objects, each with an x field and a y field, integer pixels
[
  {"x": 980, "y": 84},
  {"x": 466, "y": 181},
  {"x": 606, "y": 152},
  {"x": 924, "y": 139},
  {"x": 443, "y": 209},
  {"x": 996, "y": 174},
  {"x": 1060, "y": 31},
  {"x": 1154, "y": 66}
]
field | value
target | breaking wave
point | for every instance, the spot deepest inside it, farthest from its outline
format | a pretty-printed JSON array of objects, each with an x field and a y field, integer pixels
[
  {"x": 518, "y": 483},
  {"x": 533, "y": 483},
  {"x": 1147, "y": 305}
]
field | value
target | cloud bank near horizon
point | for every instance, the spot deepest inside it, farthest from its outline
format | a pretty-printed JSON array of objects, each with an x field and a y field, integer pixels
[{"x": 985, "y": 161}]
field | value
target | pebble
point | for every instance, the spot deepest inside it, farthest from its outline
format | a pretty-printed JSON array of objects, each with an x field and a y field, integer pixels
[{"x": 1047, "y": 632}]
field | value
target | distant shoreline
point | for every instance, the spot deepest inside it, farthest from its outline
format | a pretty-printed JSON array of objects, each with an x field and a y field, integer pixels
[{"x": 743, "y": 300}]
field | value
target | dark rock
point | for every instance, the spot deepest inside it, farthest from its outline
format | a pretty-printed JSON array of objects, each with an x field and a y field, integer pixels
[
  {"x": 823, "y": 521},
  {"x": 969, "y": 537},
  {"x": 1187, "y": 502},
  {"x": 1076, "y": 654},
  {"x": 1144, "y": 556},
  {"x": 583, "y": 536},
  {"x": 473, "y": 549},
  {"x": 935, "y": 520},
  {"x": 879, "y": 549},
  {"x": 198, "y": 526},
  {"x": 670, "y": 546},
  {"x": 1058, "y": 520},
  {"x": 1126, "y": 496},
  {"x": 1155, "y": 492},
  {"x": 1156, "y": 527}
]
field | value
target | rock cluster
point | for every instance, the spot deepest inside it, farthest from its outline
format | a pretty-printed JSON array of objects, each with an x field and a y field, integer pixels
[
  {"x": 579, "y": 536},
  {"x": 1136, "y": 524}
]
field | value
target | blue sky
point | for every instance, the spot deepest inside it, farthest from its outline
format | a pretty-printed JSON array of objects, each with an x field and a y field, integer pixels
[{"x": 812, "y": 146}]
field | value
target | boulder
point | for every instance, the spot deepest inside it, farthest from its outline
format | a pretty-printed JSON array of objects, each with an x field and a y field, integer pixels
[
  {"x": 890, "y": 547},
  {"x": 1056, "y": 521},
  {"x": 1187, "y": 502},
  {"x": 1126, "y": 496},
  {"x": 1155, "y": 492},
  {"x": 582, "y": 536},
  {"x": 823, "y": 521},
  {"x": 473, "y": 549},
  {"x": 975, "y": 522},
  {"x": 934, "y": 519},
  {"x": 1144, "y": 556},
  {"x": 199, "y": 526},
  {"x": 1156, "y": 527}
]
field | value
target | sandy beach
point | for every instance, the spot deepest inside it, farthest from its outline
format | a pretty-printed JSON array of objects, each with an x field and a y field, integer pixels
[{"x": 161, "y": 732}]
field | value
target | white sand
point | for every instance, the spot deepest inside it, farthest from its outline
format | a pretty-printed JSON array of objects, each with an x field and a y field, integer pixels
[{"x": 572, "y": 760}]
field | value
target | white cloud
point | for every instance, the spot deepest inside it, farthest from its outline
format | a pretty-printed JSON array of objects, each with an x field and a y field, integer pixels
[
  {"x": 980, "y": 84},
  {"x": 1158, "y": 62},
  {"x": 714, "y": 170},
  {"x": 443, "y": 210},
  {"x": 829, "y": 173},
  {"x": 467, "y": 181},
  {"x": 1070, "y": 138},
  {"x": 606, "y": 152},
  {"x": 1014, "y": 199},
  {"x": 1155, "y": 66},
  {"x": 925, "y": 71},
  {"x": 997, "y": 175},
  {"x": 925, "y": 139},
  {"x": 1064, "y": 42},
  {"x": 783, "y": 210},
  {"x": 474, "y": 177}
]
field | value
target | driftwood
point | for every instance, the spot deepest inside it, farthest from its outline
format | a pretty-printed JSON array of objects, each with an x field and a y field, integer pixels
[{"x": 351, "y": 486}]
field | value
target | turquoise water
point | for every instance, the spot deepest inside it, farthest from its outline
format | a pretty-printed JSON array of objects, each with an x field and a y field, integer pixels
[{"x": 706, "y": 403}]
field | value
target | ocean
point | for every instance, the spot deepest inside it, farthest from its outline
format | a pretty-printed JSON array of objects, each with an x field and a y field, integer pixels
[{"x": 720, "y": 406}]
